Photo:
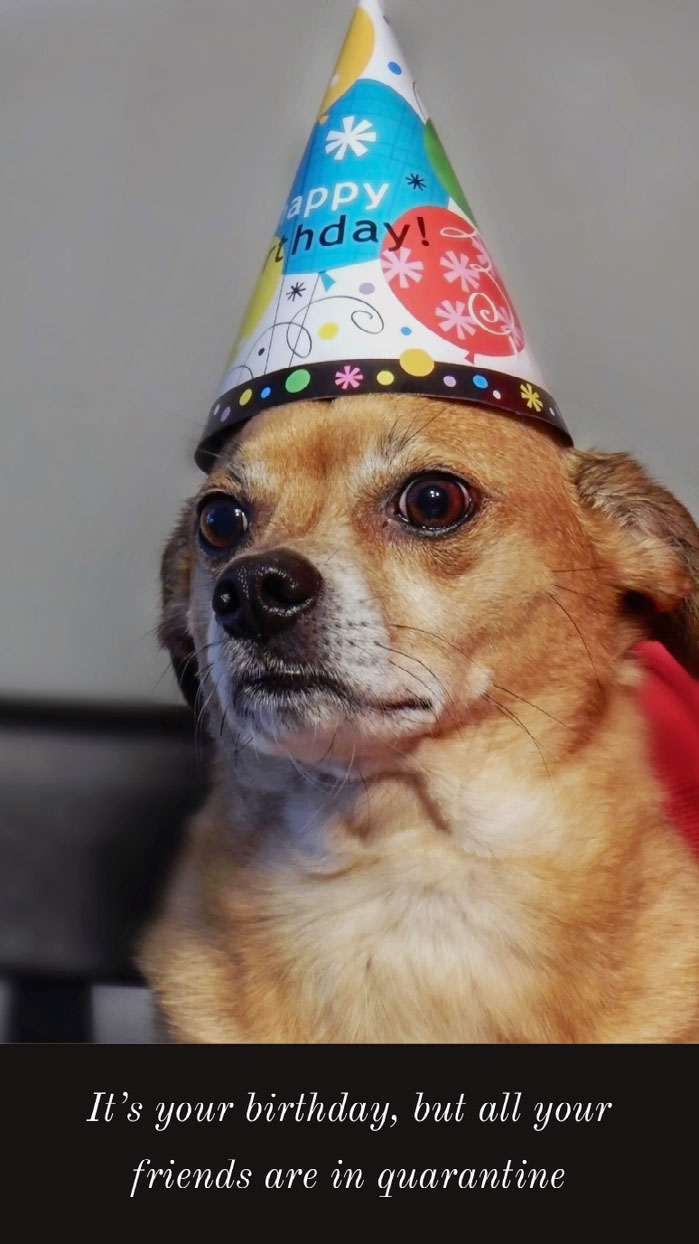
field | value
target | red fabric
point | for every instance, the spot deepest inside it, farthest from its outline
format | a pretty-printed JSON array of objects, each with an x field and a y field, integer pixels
[{"x": 670, "y": 700}]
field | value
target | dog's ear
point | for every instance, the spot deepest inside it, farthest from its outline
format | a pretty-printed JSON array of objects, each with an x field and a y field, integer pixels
[
  {"x": 654, "y": 546},
  {"x": 173, "y": 631}
]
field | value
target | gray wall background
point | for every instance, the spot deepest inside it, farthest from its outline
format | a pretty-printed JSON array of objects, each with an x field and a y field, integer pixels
[{"x": 146, "y": 147}]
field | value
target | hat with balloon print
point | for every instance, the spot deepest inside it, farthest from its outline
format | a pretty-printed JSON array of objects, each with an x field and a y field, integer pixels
[{"x": 377, "y": 278}]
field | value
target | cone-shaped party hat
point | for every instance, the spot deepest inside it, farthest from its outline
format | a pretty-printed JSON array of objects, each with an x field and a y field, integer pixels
[{"x": 377, "y": 279}]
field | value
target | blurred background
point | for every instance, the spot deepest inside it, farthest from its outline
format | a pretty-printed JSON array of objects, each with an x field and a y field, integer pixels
[{"x": 146, "y": 148}]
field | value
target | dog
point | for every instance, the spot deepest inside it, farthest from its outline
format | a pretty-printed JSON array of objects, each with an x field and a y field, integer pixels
[{"x": 409, "y": 628}]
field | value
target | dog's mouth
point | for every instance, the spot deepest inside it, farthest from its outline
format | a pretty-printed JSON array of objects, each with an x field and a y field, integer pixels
[{"x": 291, "y": 689}]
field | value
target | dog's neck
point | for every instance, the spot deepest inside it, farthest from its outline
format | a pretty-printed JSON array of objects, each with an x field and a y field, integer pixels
[{"x": 503, "y": 784}]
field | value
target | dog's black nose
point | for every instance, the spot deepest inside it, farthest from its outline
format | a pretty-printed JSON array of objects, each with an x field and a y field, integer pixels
[{"x": 261, "y": 595}]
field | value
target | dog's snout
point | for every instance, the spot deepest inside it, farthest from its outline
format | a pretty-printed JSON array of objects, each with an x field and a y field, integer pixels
[{"x": 261, "y": 595}]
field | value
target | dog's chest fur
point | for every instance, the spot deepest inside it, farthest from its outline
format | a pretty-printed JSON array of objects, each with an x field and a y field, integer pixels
[
  {"x": 369, "y": 944},
  {"x": 319, "y": 928}
]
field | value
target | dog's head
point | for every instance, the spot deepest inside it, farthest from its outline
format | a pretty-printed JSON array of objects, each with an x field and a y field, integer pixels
[{"x": 359, "y": 573}]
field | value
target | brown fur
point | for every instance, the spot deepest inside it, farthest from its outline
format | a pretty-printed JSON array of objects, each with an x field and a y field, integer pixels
[{"x": 503, "y": 872}]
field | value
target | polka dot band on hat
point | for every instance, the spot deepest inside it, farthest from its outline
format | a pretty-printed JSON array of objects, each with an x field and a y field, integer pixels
[{"x": 414, "y": 372}]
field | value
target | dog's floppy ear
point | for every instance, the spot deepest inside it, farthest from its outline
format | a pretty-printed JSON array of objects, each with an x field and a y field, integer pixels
[
  {"x": 654, "y": 546},
  {"x": 173, "y": 631}
]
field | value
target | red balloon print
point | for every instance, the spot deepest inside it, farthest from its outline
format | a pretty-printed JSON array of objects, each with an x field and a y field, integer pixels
[{"x": 441, "y": 272}]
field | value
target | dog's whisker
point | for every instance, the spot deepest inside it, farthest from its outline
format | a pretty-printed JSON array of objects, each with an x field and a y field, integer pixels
[
  {"x": 199, "y": 728},
  {"x": 335, "y": 792},
  {"x": 204, "y": 673},
  {"x": 345, "y": 780},
  {"x": 560, "y": 587},
  {"x": 330, "y": 747},
  {"x": 151, "y": 633},
  {"x": 239, "y": 746},
  {"x": 224, "y": 721},
  {"x": 421, "y": 681},
  {"x": 447, "y": 643},
  {"x": 502, "y": 708},
  {"x": 583, "y": 641},
  {"x": 303, "y": 773},
  {"x": 409, "y": 656},
  {"x": 200, "y": 710},
  {"x": 166, "y": 671},
  {"x": 331, "y": 555},
  {"x": 440, "y": 639},
  {"x": 193, "y": 659},
  {"x": 411, "y": 673},
  {"x": 506, "y": 691},
  {"x": 368, "y": 800}
]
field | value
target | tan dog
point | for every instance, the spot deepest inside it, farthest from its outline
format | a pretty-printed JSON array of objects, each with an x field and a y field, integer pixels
[{"x": 432, "y": 815}]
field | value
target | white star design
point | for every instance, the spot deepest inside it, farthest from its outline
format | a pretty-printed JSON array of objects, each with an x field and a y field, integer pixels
[{"x": 351, "y": 137}]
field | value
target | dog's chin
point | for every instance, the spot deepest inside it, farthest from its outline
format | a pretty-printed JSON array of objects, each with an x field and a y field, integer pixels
[{"x": 319, "y": 720}]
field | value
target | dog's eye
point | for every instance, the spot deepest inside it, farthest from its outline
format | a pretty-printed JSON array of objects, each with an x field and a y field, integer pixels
[
  {"x": 435, "y": 502},
  {"x": 222, "y": 523}
]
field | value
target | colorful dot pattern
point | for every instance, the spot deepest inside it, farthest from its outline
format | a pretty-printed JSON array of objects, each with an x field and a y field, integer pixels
[
  {"x": 415, "y": 371},
  {"x": 297, "y": 380}
]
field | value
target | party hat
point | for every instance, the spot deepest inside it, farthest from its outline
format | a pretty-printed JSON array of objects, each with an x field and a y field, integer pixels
[{"x": 377, "y": 278}]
